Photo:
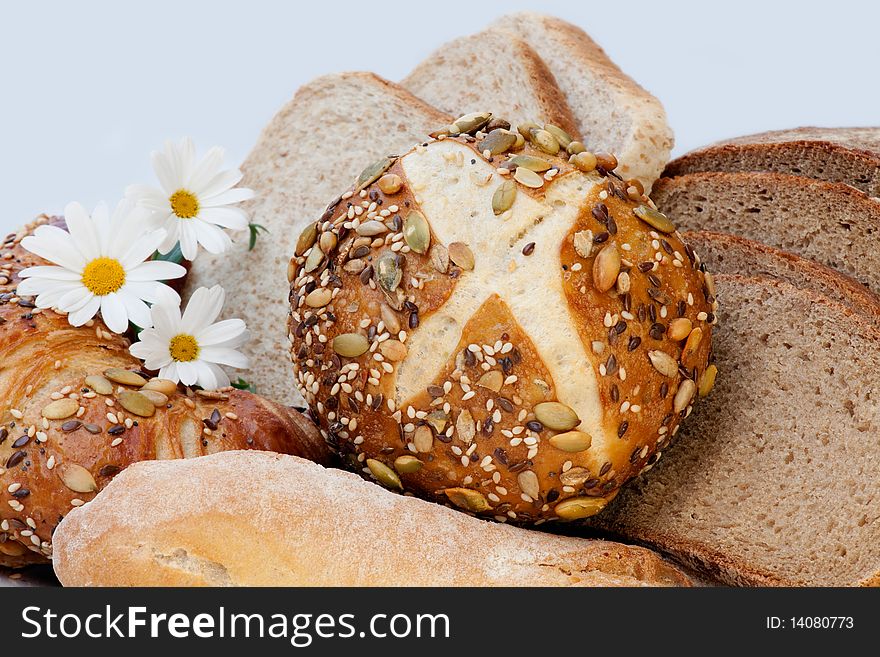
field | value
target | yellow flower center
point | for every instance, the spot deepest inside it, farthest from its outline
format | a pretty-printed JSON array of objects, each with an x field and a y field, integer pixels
[
  {"x": 183, "y": 348},
  {"x": 184, "y": 204},
  {"x": 103, "y": 276}
]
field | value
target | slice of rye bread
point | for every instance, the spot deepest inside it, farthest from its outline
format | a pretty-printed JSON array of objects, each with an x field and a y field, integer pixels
[
  {"x": 772, "y": 480},
  {"x": 310, "y": 152},
  {"x": 847, "y": 155},
  {"x": 730, "y": 254},
  {"x": 612, "y": 111},
  {"x": 491, "y": 71},
  {"x": 832, "y": 223}
]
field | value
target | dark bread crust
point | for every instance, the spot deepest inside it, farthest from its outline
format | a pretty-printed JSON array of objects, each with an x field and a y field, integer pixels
[
  {"x": 719, "y": 251},
  {"x": 845, "y": 155},
  {"x": 42, "y": 355},
  {"x": 829, "y": 222}
]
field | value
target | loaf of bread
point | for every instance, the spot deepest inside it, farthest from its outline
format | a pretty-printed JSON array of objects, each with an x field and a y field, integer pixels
[
  {"x": 259, "y": 519},
  {"x": 832, "y": 223},
  {"x": 487, "y": 322},
  {"x": 844, "y": 155},
  {"x": 313, "y": 148},
  {"x": 77, "y": 409},
  {"x": 773, "y": 480}
]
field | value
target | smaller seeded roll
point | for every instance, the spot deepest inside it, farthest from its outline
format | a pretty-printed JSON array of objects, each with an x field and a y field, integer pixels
[
  {"x": 494, "y": 320},
  {"x": 76, "y": 410}
]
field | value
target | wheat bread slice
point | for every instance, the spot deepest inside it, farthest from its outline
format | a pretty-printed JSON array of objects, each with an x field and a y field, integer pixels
[
  {"x": 772, "y": 480},
  {"x": 831, "y": 223},
  {"x": 846, "y": 155},
  {"x": 491, "y": 71},
  {"x": 612, "y": 111},
  {"x": 723, "y": 253},
  {"x": 310, "y": 152}
]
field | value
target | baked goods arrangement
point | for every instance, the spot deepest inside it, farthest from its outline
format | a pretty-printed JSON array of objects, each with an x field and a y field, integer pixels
[{"x": 502, "y": 305}]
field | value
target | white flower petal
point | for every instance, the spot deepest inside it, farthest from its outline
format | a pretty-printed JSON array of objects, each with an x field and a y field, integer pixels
[
  {"x": 156, "y": 270},
  {"x": 220, "y": 183},
  {"x": 50, "y": 273},
  {"x": 170, "y": 372},
  {"x": 141, "y": 249},
  {"x": 236, "y": 195},
  {"x": 53, "y": 244},
  {"x": 85, "y": 312},
  {"x": 51, "y": 297},
  {"x": 75, "y": 299},
  {"x": 225, "y": 356},
  {"x": 223, "y": 334},
  {"x": 152, "y": 292},
  {"x": 232, "y": 218},
  {"x": 113, "y": 313},
  {"x": 211, "y": 237},
  {"x": 211, "y": 376},
  {"x": 203, "y": 308},
  {"x": 148, "y": 197},
  {"x": 82, "y": 230},
  {"x": 205, "y": 171},
  {"x": 164, "y": 169},
  {"x": 138, "y": 312},
  {"x": 188, "y": 372},
  {"x": 186, "y": 159},
  {"x": 166, "y": 319},
  {"x": 189, "y": 244},
  {"x": 126, "y": 229},
  {"x": 172, "y": 228}
]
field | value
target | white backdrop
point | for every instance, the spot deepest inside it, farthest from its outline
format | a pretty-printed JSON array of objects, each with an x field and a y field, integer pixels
[{"x": 88, "y": 89}]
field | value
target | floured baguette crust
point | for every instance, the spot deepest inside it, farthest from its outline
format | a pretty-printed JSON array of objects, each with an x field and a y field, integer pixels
[
  {"x": 613, "y": 112},
  {"x": 52, "y": 459},
  {"x": 791, "y": 430},
  {"x": 313, "y": 147},
  {"x": 493, "y": 359},
  {"x": 259, "y": 519},
  {"x": 846, "y": 155},
  {"x": 513, "y": 81}
]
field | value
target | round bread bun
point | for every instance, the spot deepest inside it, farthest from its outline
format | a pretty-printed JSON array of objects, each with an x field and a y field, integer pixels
[{"x": 517, "y": 343}]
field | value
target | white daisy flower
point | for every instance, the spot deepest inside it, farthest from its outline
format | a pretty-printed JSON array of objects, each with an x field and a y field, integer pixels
[
  {"x": 191, "y": 348},
  {"x": 195, "y": 199},
  {"x": 99, "y": 263}
]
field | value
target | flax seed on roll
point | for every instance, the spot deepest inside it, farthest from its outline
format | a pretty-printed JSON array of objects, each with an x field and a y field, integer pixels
[{"x": 496, "y": 322}]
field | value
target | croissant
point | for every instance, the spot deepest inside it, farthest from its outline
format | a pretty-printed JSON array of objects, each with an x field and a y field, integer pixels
[{"x": 76, "y": 408}]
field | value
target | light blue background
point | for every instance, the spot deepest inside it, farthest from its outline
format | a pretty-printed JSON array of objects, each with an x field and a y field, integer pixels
[{"x": 88, "y": 89}]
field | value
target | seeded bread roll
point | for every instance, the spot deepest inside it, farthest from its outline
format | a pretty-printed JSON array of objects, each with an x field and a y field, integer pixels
[
  {"x": 310, "y": 150},
  {"x": 773, "y": 480},
  {"x": 832, "y": 223},
  {"x": 518, "y": 343},
  {"x": 76, "y": 409},
  {"x": 845, "y": 155},
  {"x": 259, "y": 519}
]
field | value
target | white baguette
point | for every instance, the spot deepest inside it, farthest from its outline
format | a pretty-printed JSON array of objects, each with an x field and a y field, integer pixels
[{"x": 261, "y": 519}]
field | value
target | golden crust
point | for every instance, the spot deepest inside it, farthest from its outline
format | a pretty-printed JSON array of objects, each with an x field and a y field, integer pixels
[
  {"x": 45, "y": 359},
  {"x": 499, "y": 460}
]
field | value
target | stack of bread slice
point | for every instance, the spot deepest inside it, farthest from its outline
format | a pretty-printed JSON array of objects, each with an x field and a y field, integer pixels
[{"x": 773, "y": 480}]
